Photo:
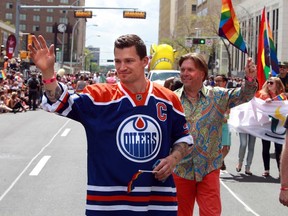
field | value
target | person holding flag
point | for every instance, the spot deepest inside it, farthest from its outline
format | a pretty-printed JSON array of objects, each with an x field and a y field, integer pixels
[{"x": 197, "y": 175}]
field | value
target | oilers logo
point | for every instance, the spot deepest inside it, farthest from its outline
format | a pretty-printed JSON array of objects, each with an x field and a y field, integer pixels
[{"x": 139, "y": 138}]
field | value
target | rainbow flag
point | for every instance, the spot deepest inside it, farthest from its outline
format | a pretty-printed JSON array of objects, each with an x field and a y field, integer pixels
[
  {"x": 3, "y": 74},
  {"x": 134, "y": 177},
  {"x": 229, "y": 27},
  {"x": 267, "y": 61},
  {"x": 281, "y": 97}
]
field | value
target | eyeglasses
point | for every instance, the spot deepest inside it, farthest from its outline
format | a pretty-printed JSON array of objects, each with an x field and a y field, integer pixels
[
  {"x": 218, "y": 80},
  {"x": 270, "y": 82}
]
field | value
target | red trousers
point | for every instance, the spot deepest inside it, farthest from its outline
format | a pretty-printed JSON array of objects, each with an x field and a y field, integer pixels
[{"x": 206, "y": 193}]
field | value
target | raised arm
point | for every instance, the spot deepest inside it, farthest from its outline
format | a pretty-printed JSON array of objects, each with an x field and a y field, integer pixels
[
  {"x": 44, "y": 59},
  {"x": 250, "y": 70}
]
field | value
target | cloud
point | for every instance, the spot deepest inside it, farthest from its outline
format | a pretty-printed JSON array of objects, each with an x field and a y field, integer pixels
[{"x": 111, "y": 24}]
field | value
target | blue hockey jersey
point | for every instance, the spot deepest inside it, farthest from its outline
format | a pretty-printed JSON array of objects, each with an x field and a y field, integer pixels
[{"x": 126, "y": 132}]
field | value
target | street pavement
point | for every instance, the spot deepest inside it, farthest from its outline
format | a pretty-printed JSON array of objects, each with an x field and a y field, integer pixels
[{"x": 43, "y": 171}]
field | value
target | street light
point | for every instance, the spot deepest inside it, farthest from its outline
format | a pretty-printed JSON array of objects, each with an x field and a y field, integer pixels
[
  {"x": 72, "y": 44},
  {"x": 84, "y": 43}
]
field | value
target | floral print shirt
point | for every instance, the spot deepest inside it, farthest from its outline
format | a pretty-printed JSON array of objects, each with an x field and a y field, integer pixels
[{"x": 205, "y": 119}]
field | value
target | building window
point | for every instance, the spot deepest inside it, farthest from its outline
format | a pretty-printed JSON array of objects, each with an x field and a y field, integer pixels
[
  {"x": 49, "y": 29},
  {"x": 49, "y": 19},
  {"x": 36, "y": 18},
  {"x": 50, "y": 10},
  {"x": 9, "y": 5},
  {"x": 49, "y": 0},
  {"x": 9, "y": 16},
  {"x": 194, "y": 8},
  {"x": 23, "y": 16},
  {"x": 22, "y": 27},
  {"x": 36, "y": 28},
  {"x": 36, "y": 9},
  {"x": 64, "y": 1},
  {"x": 63, "y": 20}
]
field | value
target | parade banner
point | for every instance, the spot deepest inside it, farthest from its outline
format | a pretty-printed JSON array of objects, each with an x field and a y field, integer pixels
[{"x": 260, "y": 119}]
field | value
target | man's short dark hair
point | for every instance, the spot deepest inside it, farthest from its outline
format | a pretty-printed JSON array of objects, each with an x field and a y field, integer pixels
[
  {"x": 129, "y": 40},
  {"x": 224, "y": 78}
]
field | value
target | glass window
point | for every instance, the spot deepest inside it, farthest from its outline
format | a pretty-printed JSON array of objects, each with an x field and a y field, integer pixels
[
  {"x": 36, "y": 28},
  {"x": 49, "y": 29},
  {"x": 50, "y": 10},
  {"x": 63, "y": 20},
  {"x": 49, "y": 0},
  {"x": 64, "y": 1},
  {"x": 36, "y": 18},
  {"x": 9, "y": 16},
  {"x": 49, "y": 19},
  {"x": 22, "y": 27},
  {"x": 9, "y": 5},
  {"x": 23, "y": 16}
]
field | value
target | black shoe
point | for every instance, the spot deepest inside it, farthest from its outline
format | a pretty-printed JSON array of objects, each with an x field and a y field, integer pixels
[
  {"x": 223, "y": 167},
  {"x": 238, "y": 168},
  {"x": 248, "y": 173}
]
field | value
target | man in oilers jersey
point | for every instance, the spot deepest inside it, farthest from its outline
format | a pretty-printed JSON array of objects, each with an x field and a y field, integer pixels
[{"x": 130, "y": 126}]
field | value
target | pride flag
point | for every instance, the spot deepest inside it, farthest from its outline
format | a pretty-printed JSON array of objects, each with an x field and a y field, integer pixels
[
  {"x": 2, "y": 74},
  {"x": 267, "y": 61},
  {"x": 229, "y": 27},
  {"x": 134, "y": 177}
]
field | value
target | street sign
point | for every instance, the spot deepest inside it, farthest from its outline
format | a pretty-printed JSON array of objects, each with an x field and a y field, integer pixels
[
  {"x": 134, "y": 14},
  {"x": 209, "y": 42},
  {"x": 188, "y": 42},
  {"x": 82, "y": 14}
]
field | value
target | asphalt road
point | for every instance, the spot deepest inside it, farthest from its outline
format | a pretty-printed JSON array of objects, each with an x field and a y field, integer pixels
[{"x": 43, "y": 171}]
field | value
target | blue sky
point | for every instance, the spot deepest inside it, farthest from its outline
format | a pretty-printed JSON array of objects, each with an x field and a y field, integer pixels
[{"x": 111, "y": 24}]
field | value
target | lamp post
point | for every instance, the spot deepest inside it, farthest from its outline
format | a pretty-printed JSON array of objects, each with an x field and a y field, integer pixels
[
  {"x": 72, "y": 44},
  {"x": 83, "y": 51}
]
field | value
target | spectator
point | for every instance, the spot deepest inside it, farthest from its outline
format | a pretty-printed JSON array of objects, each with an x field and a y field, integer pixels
[
  {"x": 15, "y": 103},
  {"x": 270, "y": 91},
  {"x": 197, "y": 175},
  {"x": 80, "y": 85},
  {"x": 221, "y": 81},
  {"x": 283, "y": 75},
  {"x": 3, "y": 106},
  {"x": 246, "y": 140},
  {"x": 33, "y": 88}
]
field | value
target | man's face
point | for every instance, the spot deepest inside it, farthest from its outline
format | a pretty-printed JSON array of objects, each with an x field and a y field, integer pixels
[
  {"x": 220, "y": 82},
  {"x": 129, "y": 66},
  {"x": 282, "y": 70},
  {"x": 191, "y": 77}
]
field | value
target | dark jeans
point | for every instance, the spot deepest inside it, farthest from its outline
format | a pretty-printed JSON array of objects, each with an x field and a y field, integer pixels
[
  {"x": 33, "y": 96},
  {"x": 18, "y": 105},
  {"x": 266, "y": 153}
]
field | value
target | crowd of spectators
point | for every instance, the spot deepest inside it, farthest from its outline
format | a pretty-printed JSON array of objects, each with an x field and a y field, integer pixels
[{"x": 21, "y": 91}]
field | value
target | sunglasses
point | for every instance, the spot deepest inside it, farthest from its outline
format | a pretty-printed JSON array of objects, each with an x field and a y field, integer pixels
[{"x": 270, "y": 82}]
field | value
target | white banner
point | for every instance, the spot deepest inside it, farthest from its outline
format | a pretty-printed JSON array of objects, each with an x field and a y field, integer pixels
[{"x": 260, "y": 119}]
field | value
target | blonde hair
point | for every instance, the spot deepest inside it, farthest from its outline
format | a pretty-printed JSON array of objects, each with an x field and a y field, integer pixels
[{"x": 280, "y": 88}]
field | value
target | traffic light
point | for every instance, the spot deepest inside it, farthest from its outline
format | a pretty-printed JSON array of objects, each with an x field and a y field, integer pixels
[
  {"x": 2, "y": 50},
  {"x": 134, "y": 14},
  {"x": 83, "y": 14},
  {"x": 199, "y": 41}
]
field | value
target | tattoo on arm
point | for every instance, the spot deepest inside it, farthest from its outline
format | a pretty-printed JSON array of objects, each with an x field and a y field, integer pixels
[
  {"x": 182, "y": 148},
  {"x": 54, "y": 95}
]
